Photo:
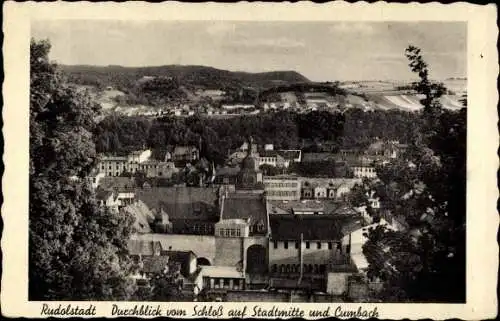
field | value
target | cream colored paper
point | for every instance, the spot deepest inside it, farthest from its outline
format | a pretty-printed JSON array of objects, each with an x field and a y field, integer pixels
[{"x": 482, "y": 161}]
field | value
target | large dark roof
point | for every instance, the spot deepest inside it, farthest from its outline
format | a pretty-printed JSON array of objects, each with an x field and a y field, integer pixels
[
  {"x": 316, "y": 157},
  {"x": 117, "y": 183},
  {"x": 102, "y": 194},
  {"x": 197, "y": 203},
  {"x": 313, "y": 227},
  {"x": 246, "y": 206}
]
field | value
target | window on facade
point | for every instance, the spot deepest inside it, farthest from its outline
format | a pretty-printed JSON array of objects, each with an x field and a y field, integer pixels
[
  {"x": 275, "y": 244},
  {"x": 297, "y": 244},
  {"x": 221, "y": 232},
  {"x": 308, "y": 245},
  {"x": 329, "y": 245},
  {"x": 319, "y": 245},
  {"x": 232, "y": 232},
  {"x": 285, "y": 244}
]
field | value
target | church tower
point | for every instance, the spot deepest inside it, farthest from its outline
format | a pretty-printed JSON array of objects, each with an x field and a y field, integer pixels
[{"x": 250, "y": 176}]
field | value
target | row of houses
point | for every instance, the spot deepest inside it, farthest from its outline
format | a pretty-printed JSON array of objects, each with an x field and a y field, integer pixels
[
  {"x": 291, "y": 188},
  {"x": 142, "y": 161},
  {"x": 356, "y": 163}
]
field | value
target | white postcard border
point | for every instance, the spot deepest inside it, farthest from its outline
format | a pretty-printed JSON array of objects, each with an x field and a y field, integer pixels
[{"x": 482, "y": 141}]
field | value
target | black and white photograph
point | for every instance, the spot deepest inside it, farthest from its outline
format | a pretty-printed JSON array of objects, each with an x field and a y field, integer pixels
[{"x": 216, "y": 161}]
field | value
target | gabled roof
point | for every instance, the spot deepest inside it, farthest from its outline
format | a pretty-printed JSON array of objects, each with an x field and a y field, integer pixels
[
  {"x": 117, "y": 183},
  {"x": 197, "y": 203},
  {"x": 143, "y": 216},
  {"x": 245, "y": 207}
]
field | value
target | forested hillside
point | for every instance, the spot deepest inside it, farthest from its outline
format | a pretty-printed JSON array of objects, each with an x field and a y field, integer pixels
[
  {"x": 315, "y": 131},
  {"x": 206, "y": 77}
]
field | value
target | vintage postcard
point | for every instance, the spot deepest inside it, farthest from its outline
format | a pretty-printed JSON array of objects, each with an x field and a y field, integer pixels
[{"x": 250, "y": 160}]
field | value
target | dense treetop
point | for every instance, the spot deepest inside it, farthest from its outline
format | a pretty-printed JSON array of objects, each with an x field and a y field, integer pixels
[
  {"x": 425, "y": 191},
  {"x": 76, "y": 248}
]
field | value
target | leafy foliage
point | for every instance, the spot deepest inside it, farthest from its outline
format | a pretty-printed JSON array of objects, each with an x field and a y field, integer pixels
[
  {"x": 316, "y": 131},
  {"x": 76, "y": 247},
  {"x": 425, "y": 190},
  {"x": 167, "y": 284}
]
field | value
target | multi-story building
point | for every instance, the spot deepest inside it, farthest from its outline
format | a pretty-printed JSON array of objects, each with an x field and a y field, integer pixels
[
  {"x": 363, "y": 169},
  {"x": 282, "y": 188},
  {"x": 289, "y": 187},
  {"x": 116, "y": 165},
  {"x": 153, "y": 168},
  {"x": 273, "y": 158},
  {"x": 304, "y": 248}
]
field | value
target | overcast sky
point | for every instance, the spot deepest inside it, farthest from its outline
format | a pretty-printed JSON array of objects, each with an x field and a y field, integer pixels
[{"x": 319, "y": 50}]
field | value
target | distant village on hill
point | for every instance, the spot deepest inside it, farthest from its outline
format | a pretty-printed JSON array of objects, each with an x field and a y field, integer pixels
[{"x": 188, "y": 90}]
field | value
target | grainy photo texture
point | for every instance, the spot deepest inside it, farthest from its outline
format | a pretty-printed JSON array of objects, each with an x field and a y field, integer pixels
[{"x": 247, "y": 161}]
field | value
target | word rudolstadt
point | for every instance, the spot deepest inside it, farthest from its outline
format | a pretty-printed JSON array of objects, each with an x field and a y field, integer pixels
[{"x": 68, "y": 310}]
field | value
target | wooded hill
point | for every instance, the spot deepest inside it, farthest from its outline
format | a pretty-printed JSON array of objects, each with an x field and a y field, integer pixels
[{"x": 199, "y": 76}]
